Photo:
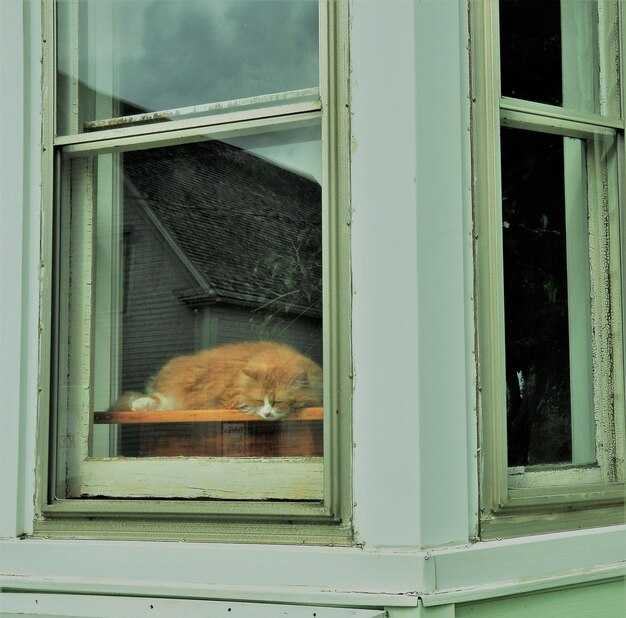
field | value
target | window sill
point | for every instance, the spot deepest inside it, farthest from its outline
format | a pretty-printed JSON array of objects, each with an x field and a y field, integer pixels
[{"x": 556, "y": 509}]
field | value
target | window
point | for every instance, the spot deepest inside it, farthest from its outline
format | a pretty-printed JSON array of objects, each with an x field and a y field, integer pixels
[
  {"x": 548, "y": 151},
  {"x": 197, "y": 185}
]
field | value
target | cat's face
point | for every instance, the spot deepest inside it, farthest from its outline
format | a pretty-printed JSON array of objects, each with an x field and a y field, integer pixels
[{"x": 272, "y": 396}]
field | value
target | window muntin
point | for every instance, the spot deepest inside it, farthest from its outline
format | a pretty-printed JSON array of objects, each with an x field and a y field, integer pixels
[
  {"x": 181, "y": 59},
  {"x": 89, "y": 336}
]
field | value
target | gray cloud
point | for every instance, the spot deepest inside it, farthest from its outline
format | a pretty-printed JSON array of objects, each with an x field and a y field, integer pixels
[{"x": 179, "y": 53}]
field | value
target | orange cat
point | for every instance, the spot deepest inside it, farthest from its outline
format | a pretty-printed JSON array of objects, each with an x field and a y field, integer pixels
[{"x": 259, "y": 377}]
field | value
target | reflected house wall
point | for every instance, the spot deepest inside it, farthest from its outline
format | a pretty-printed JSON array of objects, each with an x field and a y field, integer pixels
[
  {"x": 219, "y": 245},
  {"x": 156, "y": 325}
]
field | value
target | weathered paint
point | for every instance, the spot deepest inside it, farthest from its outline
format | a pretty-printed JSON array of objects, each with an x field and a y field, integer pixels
[
  {"x": 219, "y": 106},
  {"x": 606, "y": 600}
]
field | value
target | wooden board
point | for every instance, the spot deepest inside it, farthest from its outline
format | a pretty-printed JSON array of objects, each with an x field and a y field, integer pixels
[
  {"x": 197, "y": 416},
  {"x": 216, "y": 433}
]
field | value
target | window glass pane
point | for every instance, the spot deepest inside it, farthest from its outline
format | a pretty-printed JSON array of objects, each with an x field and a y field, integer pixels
[
  {"x": 190, "y": 248},
  {"x": 561, "y": 53},
  {"x": 118, "y": 58},
  {"x": 530, "y": 50},
  {"x": 546, "y": 299}
]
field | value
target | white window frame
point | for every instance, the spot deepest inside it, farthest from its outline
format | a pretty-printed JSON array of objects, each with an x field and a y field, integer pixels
[
  {"x": 313, "y": 493},
  {"x": 529, "y": 499}
]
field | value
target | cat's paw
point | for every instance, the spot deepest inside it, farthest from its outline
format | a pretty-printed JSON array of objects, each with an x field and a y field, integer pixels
[{"x": 144, "y": 403}]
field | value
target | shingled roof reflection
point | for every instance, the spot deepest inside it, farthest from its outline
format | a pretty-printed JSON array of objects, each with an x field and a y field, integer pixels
[{"x": 250, "y": 229}]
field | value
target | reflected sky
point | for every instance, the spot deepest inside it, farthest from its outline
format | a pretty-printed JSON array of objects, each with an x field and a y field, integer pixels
[
  {"x": 151, "y": 55},
  {"x": 298, "y": 150},
  {"x": 163, "y": 54}
]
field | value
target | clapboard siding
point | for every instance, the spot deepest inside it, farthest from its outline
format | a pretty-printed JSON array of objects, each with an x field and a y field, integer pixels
[
  {"x": 224, "y": 324},
  {"x": 156, "y": 325}
]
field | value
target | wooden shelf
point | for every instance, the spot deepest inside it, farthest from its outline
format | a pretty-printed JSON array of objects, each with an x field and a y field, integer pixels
[
  {"x": 197, "y": 416},
  {"x": 216, "y": 433}
]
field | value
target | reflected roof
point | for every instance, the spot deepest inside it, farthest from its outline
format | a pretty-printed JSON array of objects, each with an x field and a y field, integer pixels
[{"x": 249, "y": 230}]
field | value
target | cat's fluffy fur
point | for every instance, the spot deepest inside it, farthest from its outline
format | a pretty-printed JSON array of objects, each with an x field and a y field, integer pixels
[{"x": 260, "y": 377}]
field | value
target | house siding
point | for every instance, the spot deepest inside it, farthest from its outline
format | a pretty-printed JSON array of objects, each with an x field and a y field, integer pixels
[{"x": 156, "y": 326}]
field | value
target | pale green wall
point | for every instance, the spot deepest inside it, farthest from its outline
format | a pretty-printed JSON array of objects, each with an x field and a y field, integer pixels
[{"x": 607, "y": 600}]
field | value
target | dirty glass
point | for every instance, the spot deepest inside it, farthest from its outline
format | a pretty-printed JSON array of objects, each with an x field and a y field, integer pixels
[
  {"x": 118, "y": 58},
  {"x": 546, "y": 299},
  {"x": 562, "y": 53},
  {"x": 212, "y": 245}
]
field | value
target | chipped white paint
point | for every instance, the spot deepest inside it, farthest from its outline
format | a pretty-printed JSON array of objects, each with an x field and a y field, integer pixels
[
  {"x": 544, "y": 476},
  {"x": 208, "y": 108}
]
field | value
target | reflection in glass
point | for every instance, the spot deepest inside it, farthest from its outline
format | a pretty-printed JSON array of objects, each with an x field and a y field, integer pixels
[
  {"x": 216, "y": 242},
  {"x": 120, "y": 58},
  {"x": 538, "y": 292}
]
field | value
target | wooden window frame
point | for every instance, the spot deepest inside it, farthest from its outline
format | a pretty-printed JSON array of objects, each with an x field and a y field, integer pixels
[
  {"x": 324, "y": 518},
  {"x": 514, "y": 502}
]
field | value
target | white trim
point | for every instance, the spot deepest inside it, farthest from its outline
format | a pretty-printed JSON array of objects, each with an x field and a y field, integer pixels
[
  {"x": 410, "y": 251},
  {"x": 11, "y": 265},
  {"x": 515, "y": 566},
  {"x": 92, "y": 606},
  {"x": 20, "y": 176},
  {"x": 509, "y": 588},
  {"x": 346, "y": 576}
]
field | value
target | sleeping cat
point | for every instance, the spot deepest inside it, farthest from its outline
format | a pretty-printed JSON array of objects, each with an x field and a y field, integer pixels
[{"x": 259, "y": 377}]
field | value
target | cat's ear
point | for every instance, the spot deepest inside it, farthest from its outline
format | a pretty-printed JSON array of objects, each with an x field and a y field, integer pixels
[
  {"x": 251, "y": 373},
  {"x": 301, "y": 379}
]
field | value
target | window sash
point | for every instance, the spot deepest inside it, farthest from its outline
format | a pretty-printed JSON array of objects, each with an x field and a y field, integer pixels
[{"x": 257, "y": 479}]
